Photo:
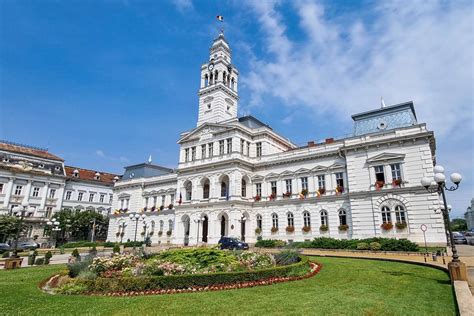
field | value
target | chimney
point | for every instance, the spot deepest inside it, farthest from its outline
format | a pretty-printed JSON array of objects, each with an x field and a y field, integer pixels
[
  {"x": 311, "y": 144},
  {"x": 329, "y": 140}
]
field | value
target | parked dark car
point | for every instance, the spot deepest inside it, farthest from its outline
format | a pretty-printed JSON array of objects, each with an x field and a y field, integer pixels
[
  {"x": 459, "y": 238},
  {"x": 232, "y": 243},
  {"x": 4, "y": 247},
  {"x": 27, "y": 245}
]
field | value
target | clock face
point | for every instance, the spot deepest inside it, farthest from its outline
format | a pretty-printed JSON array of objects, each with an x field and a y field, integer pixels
[{"x": 210, "y": 67}]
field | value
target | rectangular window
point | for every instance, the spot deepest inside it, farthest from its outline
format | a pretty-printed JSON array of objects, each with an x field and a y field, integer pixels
[
  {"x": 155, "y": 199},
  {"x": 91, "y": 197},
  {"x": 102, "y": 197},
  {"x": 340, "y": 180},
  {"x": 172, "y": 198},
  {"x": 211, "y": 150},
  {"x": 229, "y": 145},
  {"x": 111, "y": 198},
  {"x": 49, "y": 211},
  {"x": 379, "y": 174},
  {"x": 18, "y": 189},
  {"x": 186, "y": 155},
  {"x": 1, "y": 188},
  {"x": 36, "y": 191},
  {"x": 79, "y": 196},
  {"x": 221, "y": 147},
  {"x": 304, "y": 183},
  {"x": 273, "y": 185},
  {"x": 52, "y": 193},
  {"x": 248, "y": 148},
  {"x": 68, "y": 195},
  {"x": 258, "y": 189},
  {"x": 321, "y": 182},
  {"x": 288, "y": 186},
  {"x": 146, "y": 201},
  {"x": 259, "y": 149},
  {"x": 193, "y": 153},
  {"x": 203, "y": 151},
  {"x": 242, "y": 146},
  {"x": 163, "y": 197},
  {"x": 396, "y": 171}
]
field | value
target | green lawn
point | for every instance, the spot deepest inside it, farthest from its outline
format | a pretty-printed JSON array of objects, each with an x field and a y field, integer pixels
[{"x": 343, "y": 286}]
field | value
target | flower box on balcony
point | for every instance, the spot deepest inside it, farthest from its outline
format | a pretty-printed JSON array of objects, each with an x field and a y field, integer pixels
[
  {"x": 379, "y": 185},
  {"x": 324, "y": 228},
  {"x": 290, "y": 229},
  {"x": 339, "y": 189},
  {"x": 287, "y": 195},
  {"x": 258, "y": 231},
  {"x": 306, "y": 229},
  {"x": 387, "y": 226},
  {"x": 272, "y": 197},
  {"x": 162, "y": 207},
  {"x": 396, "y": 182},
  {"x": 322, "y": 191},
  {"x": 170, "y": 207},
  {"x": 401, "y": 225},
  {"x": 168, "y": 233},
  {"x": 274, "y": 230},
  {"x": 343, "y": 228},
  {"x": 257, "y": 198},
  {"x": 160, "y": 233}
]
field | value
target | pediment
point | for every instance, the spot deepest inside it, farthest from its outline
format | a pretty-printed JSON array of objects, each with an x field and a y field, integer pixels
[
  {"x": 383, "y": 157},
  {"x": 319, "y": 168},
  {"x": 203, "y": 132},
  {"x": 257, "y": 178},
  {"x": 123, "y": 195},
  {"x": 302, "y": 171},
  {"x": 287, "y": 173},
  {"x": 272, "y": 175},
  {"x": 336, "y": 166}
]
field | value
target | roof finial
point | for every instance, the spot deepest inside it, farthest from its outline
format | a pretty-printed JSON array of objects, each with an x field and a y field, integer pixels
[
  {"x": 382, "y": 103},
  {"x": 149, "y": 159}
]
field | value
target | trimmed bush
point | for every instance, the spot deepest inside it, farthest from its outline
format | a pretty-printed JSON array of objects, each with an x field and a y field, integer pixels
[
  {"x": 39, "y": 261},
  {"x": 286, "y": 257},
  {"x": 116, "y": 248},
  {"x": 362, "y": 246},
  {"x": 77, "y": 267},
  {"x": 375, "y": 246},
  {"x": 127, "y": 284},
  {"x": 47, "y": 257},
  {"x": 386, "y": 244},
  {"x": 270, "y": 243}
]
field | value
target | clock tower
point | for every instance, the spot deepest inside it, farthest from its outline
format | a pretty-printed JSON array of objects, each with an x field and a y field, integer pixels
[{"x": 219, "y": 79}]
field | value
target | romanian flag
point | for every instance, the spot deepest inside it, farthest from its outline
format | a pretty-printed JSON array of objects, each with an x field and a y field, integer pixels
[{"x": 220, "y": 18}]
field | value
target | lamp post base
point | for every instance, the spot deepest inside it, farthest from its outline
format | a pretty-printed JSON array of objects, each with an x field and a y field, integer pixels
[{"x": 457, "y": 271}]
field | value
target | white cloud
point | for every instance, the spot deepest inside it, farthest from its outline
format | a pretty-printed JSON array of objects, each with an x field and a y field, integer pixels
[
  {"x": 402, "y": 50},
  {"x": 100, "y": 153},
  {"x": 183, "y": 5}
]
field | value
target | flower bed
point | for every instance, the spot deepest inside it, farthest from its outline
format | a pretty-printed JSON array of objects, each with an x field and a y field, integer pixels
[{"x": 181, "y": 269}]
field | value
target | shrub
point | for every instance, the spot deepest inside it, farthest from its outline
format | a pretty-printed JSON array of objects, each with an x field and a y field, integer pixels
[
  {"x": 375, "y": 246},
  {"x": 62, "y": 250},
  {"x": 270, "y": 243},
  {"x": 86, "y": 275},
  {"x": 5, "y": 254},
  {"x": 72, "y": 288},
  {"x": 77, "y": 267},
  {"x": 130, "y": 244},
  {"x": 32, "y": 257},
  {"x": 287, "y": 257},
  {"x": 362, "y": 246},
  {"x": 127, "y": 284},
  {"x": 116, "y": 249},
  {"x": 39, "y": 261},
  {"x": 47, "y": 257},
  {"x": 75, "y": 254}
]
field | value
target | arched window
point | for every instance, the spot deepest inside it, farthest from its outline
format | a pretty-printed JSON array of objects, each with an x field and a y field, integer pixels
[
  {"x": 400, "y": 214},
  {"x": 259, "y": 221},
  {"x": 386, "y": 216},
  {"x": 189, "y": 191},
  {"x": 244, "y": 188},
  {"x": 232, "y": 84},
  {"x": 162, "y": 224},
  {"x": 206, "y": 80},
  {"x": 211, "y": 79},
  {"x": 324, "y": 218},
  {"x": 306, "y": 219},
  {"x": 342, "y": 217},
  {"x": 223, "y": 189},
  {"x": 205, "y": 189},
  {"x": 170, "y": 225},
  {"x": 216, "y": 76},
  {"x": 291, "y": 219},
  {"x": 274, "y": 220},
  {"x": 224, "y": 78}
]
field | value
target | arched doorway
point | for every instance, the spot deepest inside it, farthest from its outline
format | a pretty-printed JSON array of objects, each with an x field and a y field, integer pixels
[
  {"x": 205, "y": 228},
  {"x": 222, "y": 226},
  {"x": 224, "y": 221},
  {"x": 186, "y": 223}
]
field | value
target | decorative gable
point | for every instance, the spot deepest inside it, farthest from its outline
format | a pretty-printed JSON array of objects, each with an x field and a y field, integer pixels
[
  {"x": 385, "y": 157},
  {"x": 203, "y": 132}
]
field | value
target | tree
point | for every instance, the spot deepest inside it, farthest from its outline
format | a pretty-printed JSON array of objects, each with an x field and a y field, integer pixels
[
  {"x": 9, "y": 226},
  {"x": 458, "y": 224},
  {"x": 78, "y": 224}
]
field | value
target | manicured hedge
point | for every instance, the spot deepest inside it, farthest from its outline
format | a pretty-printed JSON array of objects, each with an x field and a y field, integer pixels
[
  {"x": 386, "y": 244},
  {"x": 127, "y": 284},
  {"x": 108, "y": 244},
  {"x": 270, "y": 243}
]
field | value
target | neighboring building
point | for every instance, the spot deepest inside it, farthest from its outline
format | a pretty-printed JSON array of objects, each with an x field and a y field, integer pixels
[
  {"x": 469, "y": 216},
  {"x": 238, "y": 177},
  {"x": 40, "y": 177}
]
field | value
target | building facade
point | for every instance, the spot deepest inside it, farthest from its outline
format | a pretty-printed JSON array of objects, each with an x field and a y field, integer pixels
[
  {"x": 40, "y": 178},
  {"x": 469, "y": 216},
  {"x": 238, "y": 177}
]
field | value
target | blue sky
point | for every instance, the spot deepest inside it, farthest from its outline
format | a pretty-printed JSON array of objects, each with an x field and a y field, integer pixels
[{"x": 106, "y": 84}]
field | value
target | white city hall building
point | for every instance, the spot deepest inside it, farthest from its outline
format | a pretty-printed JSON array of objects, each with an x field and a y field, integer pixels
[{"x": 237, "y": 177}]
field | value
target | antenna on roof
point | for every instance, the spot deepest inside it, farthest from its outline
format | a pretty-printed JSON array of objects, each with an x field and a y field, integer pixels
[
  {"x": 382, "y": 103},
  {"x": 149, "y": 159}
]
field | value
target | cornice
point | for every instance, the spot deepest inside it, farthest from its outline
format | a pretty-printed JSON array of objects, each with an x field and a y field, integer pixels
[{"x": 218, "y": 86}]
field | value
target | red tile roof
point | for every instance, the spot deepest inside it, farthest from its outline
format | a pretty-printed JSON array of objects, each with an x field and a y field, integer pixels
[
  {"x": 27, "y": 150},
  {"x": 89, "y": 175}
]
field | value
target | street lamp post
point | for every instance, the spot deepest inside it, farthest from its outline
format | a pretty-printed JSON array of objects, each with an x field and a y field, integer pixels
[
  {"x": 20, "y": 212},
  {"x": 54, "y": 224},
  {"x": 136, "y": 217},
  {"x": 457, "y": 269}
]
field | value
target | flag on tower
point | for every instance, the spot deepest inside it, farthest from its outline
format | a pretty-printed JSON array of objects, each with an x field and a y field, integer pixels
[{"x": 220, "y": 18}]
